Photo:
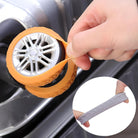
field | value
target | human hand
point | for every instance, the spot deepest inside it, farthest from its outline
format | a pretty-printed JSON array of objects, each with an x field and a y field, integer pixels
[
  {"x": 120, "y": 87},
  {"x": 108, "y": 29},
  {"x": 77, "y": 114}
]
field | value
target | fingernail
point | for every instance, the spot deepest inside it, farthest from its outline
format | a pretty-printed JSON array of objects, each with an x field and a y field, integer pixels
[
  {"x": 69, "y": 50},
  {"x": 86, "y": 124},
  {"x": 127, "y": 101}
]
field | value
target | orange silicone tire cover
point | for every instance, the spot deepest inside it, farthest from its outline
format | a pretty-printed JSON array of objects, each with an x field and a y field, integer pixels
[
  {"x": 32, "y": 83},
  {"x": 58, "y": 88},
  {"x": 43, "y": 78}
]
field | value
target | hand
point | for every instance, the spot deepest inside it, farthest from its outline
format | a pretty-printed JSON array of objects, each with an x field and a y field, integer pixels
[
  {"x": 108, "y": 29},
  {"x": 120, "y": 87},
  {"x": 77, "y": 114}
]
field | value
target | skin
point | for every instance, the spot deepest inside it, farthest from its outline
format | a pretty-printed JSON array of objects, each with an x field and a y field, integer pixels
[
  {"x": 108, "y": 29},
  {"x": 77, "y": 114},
  {"x": 120, "y": 87}
]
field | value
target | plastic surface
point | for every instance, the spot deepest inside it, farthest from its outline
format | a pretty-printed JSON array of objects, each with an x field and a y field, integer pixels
[{"x": 8, "y": 30}]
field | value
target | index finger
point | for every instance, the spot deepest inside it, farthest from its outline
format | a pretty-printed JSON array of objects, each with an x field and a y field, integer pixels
[{"x": 87, "y": 20}]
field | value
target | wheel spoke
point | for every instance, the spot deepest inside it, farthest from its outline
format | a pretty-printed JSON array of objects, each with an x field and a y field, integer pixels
[
  {"x": 48, "y": 51},
  {"x": 25, "y": 65},
  {"x": 46, "y": 46},
  {"x": 25, "y": 43},
  {"x": 46, "y": 58},
  {"x": 19, "y": 55},
  {"x": 42, "y": 62},
  {"x": 21, "y": 50},
  {"x": 31, "y": 66},
  {"x": 20, "y": 64},
  {"x": 30, "y": 40},
  {"x": 36, "y": 66},
  {"x": 38, "y": 39},
  {"x": 42, "y": 40}
]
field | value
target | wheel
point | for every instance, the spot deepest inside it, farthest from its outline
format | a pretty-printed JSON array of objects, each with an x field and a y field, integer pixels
[
  {"x": 35, "y": 58},
  {"x": 31, "y": 54}
]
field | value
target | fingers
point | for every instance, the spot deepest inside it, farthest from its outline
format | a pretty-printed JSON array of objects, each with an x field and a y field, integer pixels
[
  {"x": 100, "y": 53},
  {"x": 103, "y": 54},
  {"x": 126, "y": 56},
  {"x": 86, "y": 124},
  {"x": 120, "y": 88},
  {"x": 114, "y": 54},
  {"x": 77, "y": 114},
  {"x": 83, "y": 62},
  {"x": 89, "y": 19},
  {"x": 83, "y": 42},
  {"x": 101, "y": 34}
]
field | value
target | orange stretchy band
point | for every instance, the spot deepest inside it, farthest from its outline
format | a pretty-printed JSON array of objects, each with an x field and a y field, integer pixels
[{"x": 32, "y": 83}]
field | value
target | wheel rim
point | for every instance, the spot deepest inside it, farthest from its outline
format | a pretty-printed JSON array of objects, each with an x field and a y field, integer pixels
[{"x": 35, "y": 53}]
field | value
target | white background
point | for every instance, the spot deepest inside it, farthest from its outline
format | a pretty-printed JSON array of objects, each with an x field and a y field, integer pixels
[{"x": 112, "y": 121}]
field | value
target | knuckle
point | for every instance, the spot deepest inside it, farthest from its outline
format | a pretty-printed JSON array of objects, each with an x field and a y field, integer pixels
[
  {"x": 96, "y": 55},
  {"x": 128, "y": 56},
  {"x": 125, "y": 57},
  {"x": 100, "y": 53},
  {"x": 119, "y": 59}
]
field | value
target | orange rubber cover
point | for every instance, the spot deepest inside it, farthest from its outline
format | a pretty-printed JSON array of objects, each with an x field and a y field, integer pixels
[
  {"x": 32, "y": 83},
  {"x": 58, "y": 88}
]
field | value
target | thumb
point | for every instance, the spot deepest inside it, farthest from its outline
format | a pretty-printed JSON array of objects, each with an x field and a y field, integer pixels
[
  {"x": 77, "y": 114},
  {"x": 120, "y": 88}
]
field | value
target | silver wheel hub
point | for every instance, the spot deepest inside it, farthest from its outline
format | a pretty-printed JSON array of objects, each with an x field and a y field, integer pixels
[{"x": 35, "y": 53}]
